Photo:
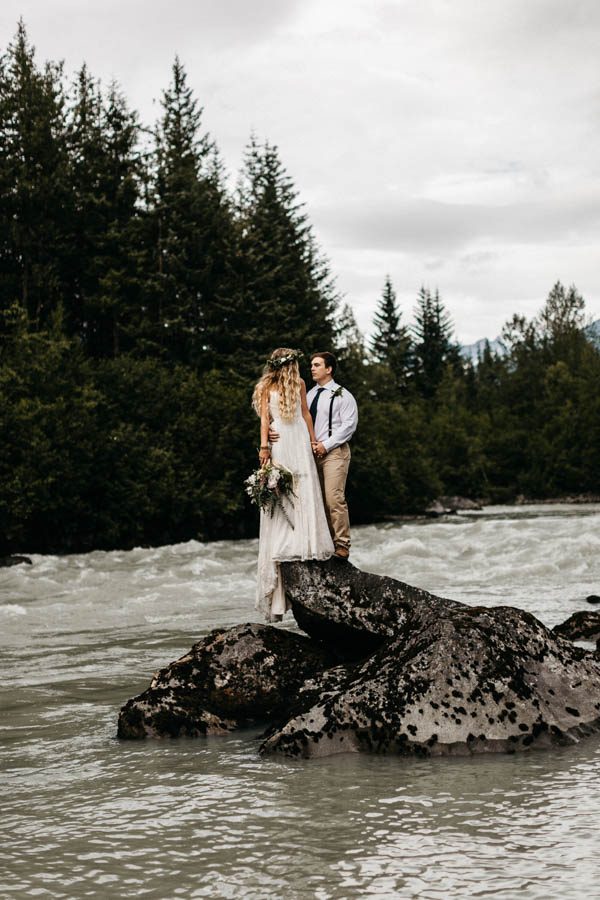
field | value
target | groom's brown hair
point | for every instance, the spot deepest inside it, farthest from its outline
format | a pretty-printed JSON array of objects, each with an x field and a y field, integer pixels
[{"x": 328, "y": 358}]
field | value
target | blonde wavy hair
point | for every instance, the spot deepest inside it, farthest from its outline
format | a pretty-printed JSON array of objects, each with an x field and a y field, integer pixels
[{"x": 285, "y": 379}]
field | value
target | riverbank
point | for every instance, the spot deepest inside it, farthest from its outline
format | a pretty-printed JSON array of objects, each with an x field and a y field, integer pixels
[
  {"x": 442, "y": 506},
  {"x": 568, "y": 499}
]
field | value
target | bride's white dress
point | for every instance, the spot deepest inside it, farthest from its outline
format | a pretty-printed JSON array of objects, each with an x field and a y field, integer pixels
[{"x": 310, "y": 537}]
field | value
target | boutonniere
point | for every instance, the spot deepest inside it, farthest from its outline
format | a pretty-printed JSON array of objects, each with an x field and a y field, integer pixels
[{"x": 338, "y": 392}]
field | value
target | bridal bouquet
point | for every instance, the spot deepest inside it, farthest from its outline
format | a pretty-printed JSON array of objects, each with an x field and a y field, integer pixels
[{"x": 268, "y": 486}]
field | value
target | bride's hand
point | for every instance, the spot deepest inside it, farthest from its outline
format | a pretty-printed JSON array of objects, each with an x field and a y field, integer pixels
[{"x": 264, "y": 455}]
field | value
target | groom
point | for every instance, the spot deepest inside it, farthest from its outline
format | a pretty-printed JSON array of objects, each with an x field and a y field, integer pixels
[{"x": 335, "y": 415}]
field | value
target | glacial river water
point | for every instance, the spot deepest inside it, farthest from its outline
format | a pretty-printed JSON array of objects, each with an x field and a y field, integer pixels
[{"x": 84, "y": 815}]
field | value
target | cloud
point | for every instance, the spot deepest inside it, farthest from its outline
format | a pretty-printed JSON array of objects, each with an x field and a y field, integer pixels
[
  {"x": 456, "y": 141},
  {"x": 421, "y": 224}
]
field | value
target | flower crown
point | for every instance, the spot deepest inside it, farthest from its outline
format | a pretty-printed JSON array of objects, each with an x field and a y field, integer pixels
[{"x": 279, "y": 361}]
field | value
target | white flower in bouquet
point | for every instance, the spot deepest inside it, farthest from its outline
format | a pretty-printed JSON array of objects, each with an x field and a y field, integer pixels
[{"x": 269, "y": 485}]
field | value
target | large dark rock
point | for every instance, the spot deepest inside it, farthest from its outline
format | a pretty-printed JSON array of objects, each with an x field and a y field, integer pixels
[
  {"x": 229, "y": 679},
  {"x": 387, "y": 668},
  {"x": 583, "y": 625},
  {"x": 351, "y": 611},
  {"x": 6, "y": 561},
  {"x": 449, "y": 679}
]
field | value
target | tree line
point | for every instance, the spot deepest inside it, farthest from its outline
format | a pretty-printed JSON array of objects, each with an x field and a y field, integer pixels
[{"x": 140, "y": 296}]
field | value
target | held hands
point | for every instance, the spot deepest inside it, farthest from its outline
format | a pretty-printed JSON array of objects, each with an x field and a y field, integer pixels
[{"x": 317, "y": 447}]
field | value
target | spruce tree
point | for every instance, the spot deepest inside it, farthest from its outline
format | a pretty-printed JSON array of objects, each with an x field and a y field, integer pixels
[
  {"x": 106, "y": 170},
  {"x": 563, "y": 312},
  {"x": 286, "y": 295},
  {"x": 560, "y": 326},
  {"x": 191, "y": 229},
  {"x": 433, "y": 348},
  {"x": 350, "y": 351},
  {"x": 390, "y": 343},
  {"x": 85, "y": 142},
  {"x": 34, "y": 193},
  {"x": 118, "y": 311}
]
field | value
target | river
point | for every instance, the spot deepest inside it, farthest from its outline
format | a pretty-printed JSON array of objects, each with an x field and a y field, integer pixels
[{"x": 85, "y": 815}]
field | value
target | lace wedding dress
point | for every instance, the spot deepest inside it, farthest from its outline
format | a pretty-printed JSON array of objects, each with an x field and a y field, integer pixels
[{"x": 279, "y": 542}]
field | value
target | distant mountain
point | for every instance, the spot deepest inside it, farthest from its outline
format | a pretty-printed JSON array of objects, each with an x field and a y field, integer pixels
[
  {"x": 472, "y": 352},
  {"x": 592, "y": 333}
]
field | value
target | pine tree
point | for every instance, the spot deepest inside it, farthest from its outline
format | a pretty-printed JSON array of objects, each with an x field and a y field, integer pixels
[
  {"x": 560, "y": 326},
  {"x": 118, "y": 309},
  {"x": 106, "y": 171},
  {"x": 286, "y": 295},
  {"x": 433, "y": 347},
  {"x": 192, "y": 228},
  {"x": 386, "y": 322},
  {"x": 391, "y": 343},
  {"x": 85, "y": 142},
  {"x": 350, "y": 351},
  {"x": 34, "y": 194},
  {"x": 563, "y": 312}
]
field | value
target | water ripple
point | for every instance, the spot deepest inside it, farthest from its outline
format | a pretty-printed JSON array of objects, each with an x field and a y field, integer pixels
[{"x": 86, "y": 815}]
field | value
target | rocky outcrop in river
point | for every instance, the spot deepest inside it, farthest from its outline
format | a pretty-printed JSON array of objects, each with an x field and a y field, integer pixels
[
  {"x": 230, "y": 679},
  {"x": 583, "y": 625},
  {"x": 7, "y": 561},
  {"x": 387, "y": 667}
]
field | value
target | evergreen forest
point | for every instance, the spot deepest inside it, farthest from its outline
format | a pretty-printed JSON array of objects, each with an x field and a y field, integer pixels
[{"x": 140, "y": 296}]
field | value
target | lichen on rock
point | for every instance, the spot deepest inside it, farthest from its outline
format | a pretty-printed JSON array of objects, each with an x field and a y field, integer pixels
[
  {"x": 387, "y": 668},
  {"x": 233, "y": 677},
  {"x": 452, "y": 679},
  {"x": 582, "y": 625}
]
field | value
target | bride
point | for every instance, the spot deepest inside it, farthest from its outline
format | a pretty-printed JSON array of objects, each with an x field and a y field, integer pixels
[{"x": 299, "y": 531}]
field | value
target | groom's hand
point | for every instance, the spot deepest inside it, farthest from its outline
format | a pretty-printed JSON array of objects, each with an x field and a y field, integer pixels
[
  {"x": 320, "y": 450},
  {"x": 273, "y": 436}
]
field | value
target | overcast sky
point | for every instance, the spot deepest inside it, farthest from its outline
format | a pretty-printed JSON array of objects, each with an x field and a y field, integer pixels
[{"x": 452, "y": 144}]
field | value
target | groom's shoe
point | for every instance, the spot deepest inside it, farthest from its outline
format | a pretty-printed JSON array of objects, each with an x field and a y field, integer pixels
[{"x": 342, "y": 552}]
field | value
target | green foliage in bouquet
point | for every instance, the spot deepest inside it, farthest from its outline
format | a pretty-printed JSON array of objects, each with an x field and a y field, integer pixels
[{"x": 268, "y": 486}]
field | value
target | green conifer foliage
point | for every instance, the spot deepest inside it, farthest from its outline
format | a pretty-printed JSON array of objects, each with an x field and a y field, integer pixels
[
  {"x": 34, "y": 195},
  {"x": 117, "y": 311},
  {"x": 286, "y": 296},
  {"x": 191, "y": 226},
  {"x": 391, "y": 344},
  {"x": 386, "y": 324},
  {"x": 102, "y": 295},
  {"x": 351, "y": 352},
  {"x": 433, "y": 348},
  {"x": 138, "y": 301},
  {"x": 85, "y": 141},
  {"x": 562, "y": 314}
]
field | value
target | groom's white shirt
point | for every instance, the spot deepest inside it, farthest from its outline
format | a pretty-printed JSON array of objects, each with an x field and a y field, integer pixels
[{"x": 344, "y": 415}]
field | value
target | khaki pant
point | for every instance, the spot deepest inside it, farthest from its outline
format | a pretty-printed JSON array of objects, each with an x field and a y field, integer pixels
[{"x": 333, "y": 471}]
